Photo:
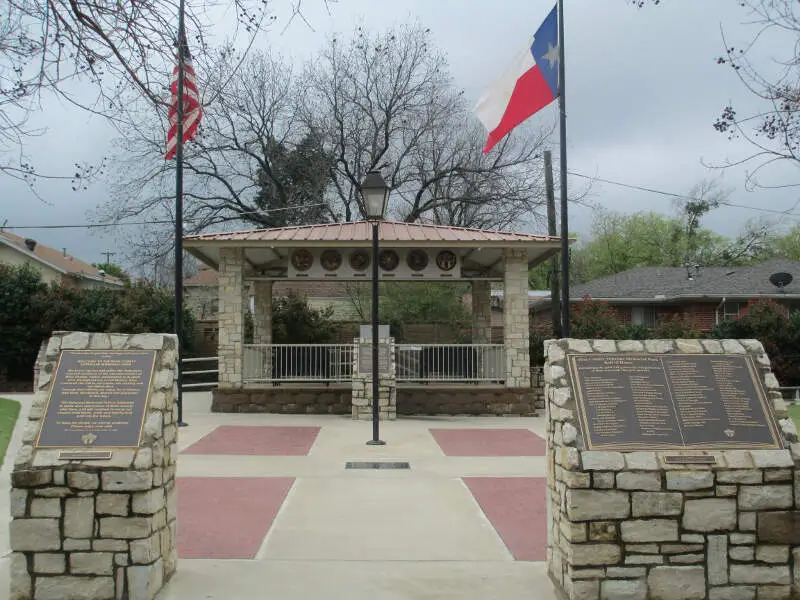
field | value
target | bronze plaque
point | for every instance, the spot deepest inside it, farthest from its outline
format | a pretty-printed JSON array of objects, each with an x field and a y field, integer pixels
[
  {"x": 98, "y": 399},
  {"x": 671, "y": 402},
  {"x": 365, "y": 358},
  {"x": 690, "y": 459},
  {"x": 84, "y": 455}
]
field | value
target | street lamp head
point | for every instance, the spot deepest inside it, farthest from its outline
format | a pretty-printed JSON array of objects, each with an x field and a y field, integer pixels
[{"x": 375, "y": 193}]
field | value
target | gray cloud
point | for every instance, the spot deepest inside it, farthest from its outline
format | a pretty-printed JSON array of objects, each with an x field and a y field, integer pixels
[{"x": 642, "y": 93}]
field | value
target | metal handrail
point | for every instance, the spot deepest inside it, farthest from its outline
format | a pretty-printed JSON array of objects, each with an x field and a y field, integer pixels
[{"x": 467, "y": 363}]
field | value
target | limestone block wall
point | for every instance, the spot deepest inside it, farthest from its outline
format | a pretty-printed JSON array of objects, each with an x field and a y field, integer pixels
[
  {"x": 628, "y": 525},
  {"x": 262, "y": 315},
  {"x": 231, "y": 316},
  {"x": 481, "y": 312},
  {"x": 516, "y": 331},
  {"x": 362, "y": 384},
  {"x": 98, "y": 529}
]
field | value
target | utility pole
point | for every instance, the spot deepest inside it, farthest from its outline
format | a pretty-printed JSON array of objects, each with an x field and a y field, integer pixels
[
  {"x": 108, "y": 256},
  {"x": 555, "y": 298}
]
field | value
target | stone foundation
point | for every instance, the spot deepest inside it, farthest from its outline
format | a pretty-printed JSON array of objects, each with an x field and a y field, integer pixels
[
  {"x": 319, "y": 400},
  {"x": 466, "y": 400},
  {"x": 98, "y": 529},
  {"x": 628, "y": 525}
]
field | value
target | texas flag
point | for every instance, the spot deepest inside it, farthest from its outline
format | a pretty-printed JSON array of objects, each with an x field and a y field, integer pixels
[{"x": 525, "y": 88}]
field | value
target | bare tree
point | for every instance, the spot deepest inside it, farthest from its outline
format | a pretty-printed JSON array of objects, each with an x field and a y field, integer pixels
[
  {"x": 386, "y": 101},
  {"x": 775, "y": 130},
  {"x": 123, "y": 50},
  {"x": 253, "y": 162}
]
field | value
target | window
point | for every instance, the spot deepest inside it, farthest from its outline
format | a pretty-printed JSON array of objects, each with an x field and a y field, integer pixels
[
  {"x": 730, "y": 310},
  {"x": 643, "y": 315}
]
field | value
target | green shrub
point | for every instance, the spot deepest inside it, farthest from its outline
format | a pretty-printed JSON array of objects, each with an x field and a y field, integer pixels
[
  {"x": 677, "y": 326},
  {"x": 295, "y": 322},
  {"x": 593, "y": 319},
  {"x": 31, "y": 310}
]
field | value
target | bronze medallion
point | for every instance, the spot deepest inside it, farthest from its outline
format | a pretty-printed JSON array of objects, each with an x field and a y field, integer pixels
[
  {"x": 417, "y": 260},
  {"x": 446, "y": 260},
  {"x": 330, "y": 260},
  {"x": 302, "y": 260},
  {"x": 388, "y": 260},
  {"x": 359, "y": 260}
]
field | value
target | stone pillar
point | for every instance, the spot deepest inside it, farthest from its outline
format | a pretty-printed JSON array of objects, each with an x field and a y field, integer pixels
[
  {"x": 481, "y": 312},
  {"x": 633, "y": 525},
  {"x": 98, "y": 529},
  {"x": 231, "y": 316},
  {"x": 262, "y": 317},
  {"x": 362, "y": 380},
  {"x": 515, "y": 319}
]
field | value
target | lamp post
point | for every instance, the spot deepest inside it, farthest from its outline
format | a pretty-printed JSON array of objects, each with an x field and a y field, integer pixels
[{"x": 375, "y": 193}]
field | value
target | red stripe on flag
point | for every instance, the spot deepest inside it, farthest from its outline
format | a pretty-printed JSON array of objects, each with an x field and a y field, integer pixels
[
  {"x": 530, "y": 95},
  {"x": 192, "y": 109}
]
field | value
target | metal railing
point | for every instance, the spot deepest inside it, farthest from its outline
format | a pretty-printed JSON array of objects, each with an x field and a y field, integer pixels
[
  {"x": 194, "y": 374},
  {"x": 452, "y": 363},
  {"x": 791, "y": 394},
  {"x": 307, "y": 363}
]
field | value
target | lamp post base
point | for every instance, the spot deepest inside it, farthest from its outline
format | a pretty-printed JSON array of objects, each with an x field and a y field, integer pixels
[{"x": 376, "y": 443}]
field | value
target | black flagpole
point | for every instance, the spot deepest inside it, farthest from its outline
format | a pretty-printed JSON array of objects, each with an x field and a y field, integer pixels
[
  {"x": 563, "y": 142},
  {"x": 179, "y": 211}
]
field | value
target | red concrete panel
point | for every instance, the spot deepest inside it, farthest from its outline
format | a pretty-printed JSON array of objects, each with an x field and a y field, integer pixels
[
  {"x": 256, "y": 441},
  {"x": 516, "y": 508},
  {"x": 227, "y": 517},
  {"x": 489, "y": 442}
]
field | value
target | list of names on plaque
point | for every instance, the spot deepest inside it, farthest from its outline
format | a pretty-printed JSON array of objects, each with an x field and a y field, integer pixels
[
  {"x": 97, "y": 399},
  {"x": 629, "y": 401}
]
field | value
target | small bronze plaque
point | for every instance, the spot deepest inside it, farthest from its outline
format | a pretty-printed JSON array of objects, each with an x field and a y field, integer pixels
[
  {"x": 98, "y": 399},
  {"x": 671, "y": 402},
  {"x": 690, "y": 459},
  {"x": 365, "y": 358},
  {"x": 84, "y": 455}
]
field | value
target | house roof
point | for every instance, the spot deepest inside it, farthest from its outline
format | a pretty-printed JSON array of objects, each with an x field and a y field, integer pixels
[
  {"x": 58, "y": 260},
  {"x": 660, "y": 284},
  {"x": 388, "y": 231},
  {"x": 267, "y": 251}
]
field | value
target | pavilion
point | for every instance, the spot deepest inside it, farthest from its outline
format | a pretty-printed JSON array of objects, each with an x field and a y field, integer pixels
[{"x": 249, "y": 373}]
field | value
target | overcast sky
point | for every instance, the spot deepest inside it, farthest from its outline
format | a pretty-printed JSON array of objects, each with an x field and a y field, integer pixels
[{"x": 642, "y": 89}]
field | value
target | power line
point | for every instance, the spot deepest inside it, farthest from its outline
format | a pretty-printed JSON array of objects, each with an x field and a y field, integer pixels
[
  {"x": 642, "y": 188},
  {"x": 150, "y": 222}
]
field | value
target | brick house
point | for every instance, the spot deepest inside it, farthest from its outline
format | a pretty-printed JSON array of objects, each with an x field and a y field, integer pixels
[
  {"x": 709, "y": 294},
  {"x": 55, "y": 266}
]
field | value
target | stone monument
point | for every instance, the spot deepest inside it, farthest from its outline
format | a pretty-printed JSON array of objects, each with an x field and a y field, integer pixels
[
  {"x": 93, "y": 501},
  {"x": 672, "y": 472}
]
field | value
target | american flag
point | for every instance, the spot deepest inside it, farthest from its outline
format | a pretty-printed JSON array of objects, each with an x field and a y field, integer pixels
[{"x": 192, "y": 109}]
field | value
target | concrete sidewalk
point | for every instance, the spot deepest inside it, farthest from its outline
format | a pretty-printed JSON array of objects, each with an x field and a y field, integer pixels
[{"x": 337, "y": 533}]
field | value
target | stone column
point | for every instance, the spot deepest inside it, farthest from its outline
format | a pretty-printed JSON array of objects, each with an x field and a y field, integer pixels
[
  {"x": 515, "y": 319},
  {"x": 362, "y": 381},
  {"x": 481, "y": 312},
  {"x": 98, "y": 529},
  {"x": 231, "y": 316},
  {"x": 262, "y": 317}
]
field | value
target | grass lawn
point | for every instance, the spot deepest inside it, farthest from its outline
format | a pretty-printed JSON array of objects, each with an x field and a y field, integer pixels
[
  {"x": 9, "y": 410},
  {"x": 794, "y": 414}
]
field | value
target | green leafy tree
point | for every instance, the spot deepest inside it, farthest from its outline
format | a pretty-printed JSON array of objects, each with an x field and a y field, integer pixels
[
  {"x": 23, "y": 298},
  {"x": 295, "y": 322},
  {"x": 291, "y": 183},
  {"x": 113, "y": 269},
  {"x": 144, "y": 307}
]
